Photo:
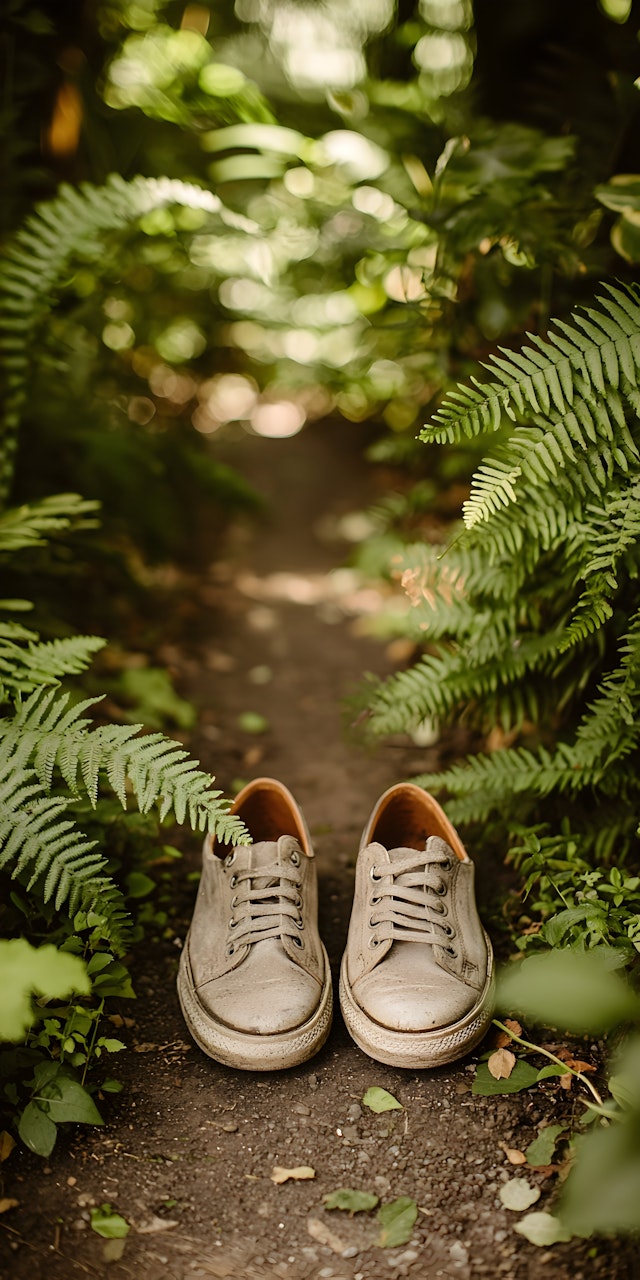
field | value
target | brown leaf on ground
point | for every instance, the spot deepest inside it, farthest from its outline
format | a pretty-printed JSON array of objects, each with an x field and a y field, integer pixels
[
  {"x": 301, "y": 1172},
  {"x": 320, "y": 1231},
  {"x": 117, "y": 1020},
  {"x": 7, "y": 1143},
  {"x": 6, "y": 1203},
  {"x": 154, "y": 1224},
  {"x": 502, "y": 1039},
  {"x": 566, "y": 1081},
  {"x": 576, "y": 1064},
  {"x": 513, "y": 1155},
  {"x": 501, "y": 1064},
  {"x": 547, "y": 1170}
]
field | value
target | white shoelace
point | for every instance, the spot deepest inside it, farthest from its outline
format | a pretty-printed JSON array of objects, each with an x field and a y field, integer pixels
[
  {"x": 406, "y": 903},
  {"x": 268, "y": 904}
]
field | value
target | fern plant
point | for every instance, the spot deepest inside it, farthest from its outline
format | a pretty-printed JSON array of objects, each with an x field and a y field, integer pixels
[
  {"x": 34, "y": 264},
  {"x": 50, "y": 752},
  {"x": 531, "y": 613}
]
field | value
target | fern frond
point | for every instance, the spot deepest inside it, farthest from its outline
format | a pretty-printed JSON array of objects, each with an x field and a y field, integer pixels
[
  {"x": 35, "y": 265},
  {"x": 33, "y": 523},
  {"x": 157, "y": 770},
  {"x": 41, "y": 845},
  {"x": 553, "y": 376},
  {"x": 27, "y": 663}
]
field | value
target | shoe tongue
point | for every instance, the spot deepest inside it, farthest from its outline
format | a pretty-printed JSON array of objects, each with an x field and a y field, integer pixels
[
  {"x": 435, "y": 846},
  {"x": 263, "y": 854}
]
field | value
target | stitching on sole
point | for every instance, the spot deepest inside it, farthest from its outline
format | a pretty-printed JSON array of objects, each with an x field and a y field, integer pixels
[
  {"x": 416, "y": 1049},
  {"x": 253, "y": 1052}
]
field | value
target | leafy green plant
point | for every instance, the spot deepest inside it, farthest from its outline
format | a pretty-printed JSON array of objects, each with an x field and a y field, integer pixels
[
  {"x": 531, "y": 612},
  {"x": 584, "y": 994}
]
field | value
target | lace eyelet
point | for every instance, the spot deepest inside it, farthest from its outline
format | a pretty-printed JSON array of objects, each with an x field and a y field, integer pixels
[
  {"x": 449, "y": 930},
  {"x": 373, "y": 924},
  {"x": 230, "y": 950},
  {"x": 373, "y": 875},
  {"x": 233, "y": 924},
  {"x": 298, "y": 942},
  {"x": 447, "y": 864},
  {"x": 373, "y": 902},
  {"x": 441, "y": 889},
  {"x": 233, "y": 882},
  {"x": 297, "y": 902},
  {"x": 299, "y": 922},
  {"x": 451, "y": 951},
  {"x": 234, "y": 903},
  {"x": 230, "y": 859},
  {"x": 374, "y": 942},
  {"x": 295, "y": 858}
]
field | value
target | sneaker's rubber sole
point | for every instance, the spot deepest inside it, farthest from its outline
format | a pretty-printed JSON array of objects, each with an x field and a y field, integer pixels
[
  {"x": 247, "y": 1052},
  {"x": 418, "y": 1049}
]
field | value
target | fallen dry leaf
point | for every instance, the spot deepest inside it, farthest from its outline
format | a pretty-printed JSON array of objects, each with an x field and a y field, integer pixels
[
  {"x": 6, "y": 1203},
  {"x": 502, "y": 1039},
  {"x": 576, "y": 1064},
  {"x": 117, "y": 1020},
  {"x": 566, "y": 1081},
  {"x": 154, "y": 1224},
  {"x": 300, "y": 1173},
  {"x": 321, "y": 1231},
  {"x": 501, "y": 1064},
  {"x": 518, "y": 1194},
  {"x": 513, "y": 1155},
  {"x": 7, "y": 1143}
]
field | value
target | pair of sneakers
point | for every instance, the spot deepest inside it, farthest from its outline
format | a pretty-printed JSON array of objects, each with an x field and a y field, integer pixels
[{"x": 416, "y": 982}]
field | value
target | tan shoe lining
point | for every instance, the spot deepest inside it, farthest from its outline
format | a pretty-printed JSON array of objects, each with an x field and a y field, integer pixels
[
  {"x": 268, "y": 813},
  {"x": 408, "y": 817}
]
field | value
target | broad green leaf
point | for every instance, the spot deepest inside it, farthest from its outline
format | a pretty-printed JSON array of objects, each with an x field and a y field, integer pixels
[
  {"x": 523, "y": 1076},
  {"x": 111, "y": 1086},
  {"x": 139, "y": 885},
  {"x": 64, "y": 1099},
  {"x": 108, "y": 1224},
  {"x": 352, "y": 1201},
  {"x": 542, "y": 1229},
  {"x": 397, "y": 1221},
  {"x": 379, "y": 1100},
  {"x": 541, "y": 1150},
  {"x": 25, "y": 970},
  {"x": 552, "y": 1069},
  {"x": 602, "y": 1192},
  {"x": 37, "y": 1131},
  {"x": 576, "y": 992},
  {"x": 518, "y": 1194}
]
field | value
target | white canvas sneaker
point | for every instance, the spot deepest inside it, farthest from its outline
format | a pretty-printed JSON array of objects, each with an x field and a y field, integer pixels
[
  {"x": 416, "y": 983},
  {"x": 254, "y": 982}
]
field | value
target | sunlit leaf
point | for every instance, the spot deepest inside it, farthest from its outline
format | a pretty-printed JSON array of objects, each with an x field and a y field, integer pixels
[
  {"x": 397, "y": 1221},
  {"x": 379, "y": 1100}
]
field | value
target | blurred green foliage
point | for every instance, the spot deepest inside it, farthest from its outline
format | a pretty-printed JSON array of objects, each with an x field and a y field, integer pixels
[{"x": 402, "y": 186}]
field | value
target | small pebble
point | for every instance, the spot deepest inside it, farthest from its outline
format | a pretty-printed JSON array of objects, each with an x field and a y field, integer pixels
[
  {"x": 350, "y": 1132},
  {"x": 458, "y": 1252},
  {"x": 312, "y": 1081},
  {"x": 351, "y": 1252},
  {"x": 230, "y": 1126},
  {"x": 301, "y": 1109},
  {"x": 354, "y": 1112}
]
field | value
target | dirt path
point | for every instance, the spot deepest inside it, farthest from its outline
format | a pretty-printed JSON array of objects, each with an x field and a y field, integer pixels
[{"x": 189, "y": 1146}]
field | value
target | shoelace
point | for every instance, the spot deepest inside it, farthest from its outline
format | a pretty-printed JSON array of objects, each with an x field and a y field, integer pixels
[
  {"x": 407, "y": 901},
  {"x": 269, "y": 904}
]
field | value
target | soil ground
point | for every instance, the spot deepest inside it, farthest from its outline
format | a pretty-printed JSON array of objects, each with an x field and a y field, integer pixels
[{"x": 189, "y": 1146}]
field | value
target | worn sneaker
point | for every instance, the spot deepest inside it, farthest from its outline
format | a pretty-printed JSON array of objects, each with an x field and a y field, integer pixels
[
  {"x": 416, "y": 984},
  {"x": 254, "y": 980}
]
